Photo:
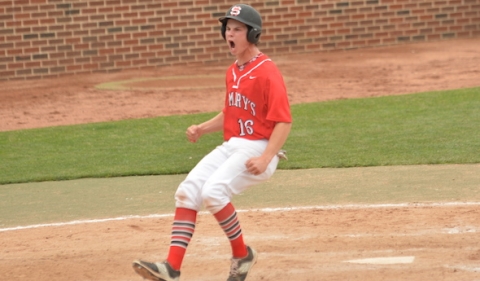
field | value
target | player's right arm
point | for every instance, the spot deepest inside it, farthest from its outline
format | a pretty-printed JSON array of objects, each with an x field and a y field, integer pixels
[{"x": 215, "y": 124}]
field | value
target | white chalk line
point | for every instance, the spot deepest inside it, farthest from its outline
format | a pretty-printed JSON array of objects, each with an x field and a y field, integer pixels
[
  {"x": 285, "y": 209},
  {"x": 384, "y": 260},
  {"x": 465, "y": 268}
]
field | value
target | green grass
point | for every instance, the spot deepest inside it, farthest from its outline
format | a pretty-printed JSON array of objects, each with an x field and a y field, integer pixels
[
  {"x": 125, "y": 148},
  {"x": 426, "y": 128}
]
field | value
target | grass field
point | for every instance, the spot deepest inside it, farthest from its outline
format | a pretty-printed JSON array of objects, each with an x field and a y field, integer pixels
[
  {"x": 426, "y": 128},
  {"x": 398, "y": 138}
]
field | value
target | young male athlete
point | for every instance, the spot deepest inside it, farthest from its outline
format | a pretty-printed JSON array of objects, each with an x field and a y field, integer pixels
[{"x": 256, "y": 122}]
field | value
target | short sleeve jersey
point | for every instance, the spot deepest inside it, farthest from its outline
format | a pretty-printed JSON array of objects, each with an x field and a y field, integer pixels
[{"x": 256, "y": 99}]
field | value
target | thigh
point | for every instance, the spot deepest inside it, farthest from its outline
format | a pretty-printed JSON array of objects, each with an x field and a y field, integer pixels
[
  {"x": 189, "y": 190},
  {"x": 233, "y": 173},
  {"x": 232, "y": 178}
]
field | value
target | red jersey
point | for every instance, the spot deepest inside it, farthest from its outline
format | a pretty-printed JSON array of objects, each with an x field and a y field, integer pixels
[{"x": 256, "y": 99}]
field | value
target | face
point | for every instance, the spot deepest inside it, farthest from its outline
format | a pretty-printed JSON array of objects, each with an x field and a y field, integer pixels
[{"x": 236, "y": 37}]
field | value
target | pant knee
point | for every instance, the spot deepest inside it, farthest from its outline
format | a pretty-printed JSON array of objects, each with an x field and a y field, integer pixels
[
  {"x": 185, "y": 199},
  {"x": 215, "y": 198}
]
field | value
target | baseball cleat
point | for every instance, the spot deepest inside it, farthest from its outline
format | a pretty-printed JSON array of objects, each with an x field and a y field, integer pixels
[
  {"x": 156, "y": 271},
  {"x": 240, "y": 267}
]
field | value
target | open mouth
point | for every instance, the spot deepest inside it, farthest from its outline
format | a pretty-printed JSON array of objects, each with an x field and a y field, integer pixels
[{"x": 232, "y": 44}]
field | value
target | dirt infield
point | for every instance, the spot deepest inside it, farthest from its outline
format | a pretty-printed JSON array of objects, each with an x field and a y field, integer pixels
[
  {"x": 300, "y": 244},
  {"x": 312, "y": 77},
  {"x": 313, "y": 244}
]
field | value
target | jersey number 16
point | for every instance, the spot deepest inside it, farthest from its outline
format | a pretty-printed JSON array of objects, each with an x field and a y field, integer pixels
[{"x": 245, "y": 127}]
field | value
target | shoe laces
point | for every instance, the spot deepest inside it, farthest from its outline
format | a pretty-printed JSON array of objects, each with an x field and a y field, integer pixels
[{"x": 234, "y": 267}]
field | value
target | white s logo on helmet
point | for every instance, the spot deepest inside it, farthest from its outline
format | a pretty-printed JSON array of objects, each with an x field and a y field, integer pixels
[{"x": 235, "y": 11}]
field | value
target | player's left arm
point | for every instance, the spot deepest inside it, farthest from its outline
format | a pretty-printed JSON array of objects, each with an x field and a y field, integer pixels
[{"x": 258, "y": 165}]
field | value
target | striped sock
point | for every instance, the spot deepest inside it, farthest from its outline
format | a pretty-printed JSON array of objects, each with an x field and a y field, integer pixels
[
  {"x": 182, "y": 232},
  {"x": 228, "y": 220}
]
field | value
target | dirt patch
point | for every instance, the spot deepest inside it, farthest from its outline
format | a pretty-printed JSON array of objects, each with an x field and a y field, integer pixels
[
  {"x": 313, "y": 244},
  {"x": 309, "y": 77},
  {"x": 297, "y": 245}
]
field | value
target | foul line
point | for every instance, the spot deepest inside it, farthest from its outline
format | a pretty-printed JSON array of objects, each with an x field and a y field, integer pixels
[{"x": 287, "y": 209}]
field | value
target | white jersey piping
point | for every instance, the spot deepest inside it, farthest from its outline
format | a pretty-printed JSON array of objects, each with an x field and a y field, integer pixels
[{"x": 247, "y": 73}]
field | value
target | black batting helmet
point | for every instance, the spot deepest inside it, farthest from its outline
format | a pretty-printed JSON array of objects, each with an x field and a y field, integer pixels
[{"x": 247, "y": 15}]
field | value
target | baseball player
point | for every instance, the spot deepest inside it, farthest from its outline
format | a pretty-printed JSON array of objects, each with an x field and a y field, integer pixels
[{"x": 256, "y": 122}]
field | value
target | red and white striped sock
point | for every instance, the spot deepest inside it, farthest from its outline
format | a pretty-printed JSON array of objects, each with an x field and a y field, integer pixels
[
  {"x": 182, "y": 231},
  {"x": 228, "y": 220}
]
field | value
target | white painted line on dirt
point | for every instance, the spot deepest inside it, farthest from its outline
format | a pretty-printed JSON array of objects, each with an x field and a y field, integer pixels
[
  {"x": 384, "y": 260},
  {"x": 457, "y": 230},
  {"x": 452, "y": 231},
  {"x": 286, "y": 209},
  {"x": 85, "y": 221},
  {"x": 465, "y": 268}
]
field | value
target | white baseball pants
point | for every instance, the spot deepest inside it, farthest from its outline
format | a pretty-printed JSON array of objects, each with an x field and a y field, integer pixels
[{"x": 221, "y": 174}]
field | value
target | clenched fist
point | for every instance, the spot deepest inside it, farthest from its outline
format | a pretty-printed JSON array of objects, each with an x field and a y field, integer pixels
[{"x": 193, "y": 133}]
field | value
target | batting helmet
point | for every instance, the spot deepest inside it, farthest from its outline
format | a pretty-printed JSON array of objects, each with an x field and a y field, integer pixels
[{"x": 247, "y": 15}]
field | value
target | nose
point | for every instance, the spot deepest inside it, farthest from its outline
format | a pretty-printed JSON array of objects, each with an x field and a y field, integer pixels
[{"x": 229, "y": 33}]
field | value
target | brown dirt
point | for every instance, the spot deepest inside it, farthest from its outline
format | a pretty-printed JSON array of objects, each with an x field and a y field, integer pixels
[
  {"x": 309, "y": 78},
  {"x": 295, "y": 245}
]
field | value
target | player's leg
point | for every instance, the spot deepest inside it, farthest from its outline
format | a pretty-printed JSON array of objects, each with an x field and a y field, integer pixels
[
  {"x": 229, "y": 179},
  {"x": 188, "y": 194},
  {"x": 231, "y": 176},
  {"x": 183, "y": 228},
  {"x": 188, "y": 203},
  {"x": 243, "y": 256}
]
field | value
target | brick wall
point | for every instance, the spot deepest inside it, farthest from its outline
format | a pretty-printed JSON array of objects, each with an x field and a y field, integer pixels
[{"x": 46, "y": 38}]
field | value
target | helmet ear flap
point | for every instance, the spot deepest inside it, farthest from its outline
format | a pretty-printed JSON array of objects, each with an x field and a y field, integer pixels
[{"x": 253, "y": 35}]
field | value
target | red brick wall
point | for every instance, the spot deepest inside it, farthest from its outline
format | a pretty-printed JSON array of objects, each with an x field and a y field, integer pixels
[{"x": 45, "y": 38}]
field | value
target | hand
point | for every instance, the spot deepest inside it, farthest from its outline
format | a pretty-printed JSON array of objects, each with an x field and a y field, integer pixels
[
  {"x": 193, "y": 133},
  {"x": 256, "y": 165}
]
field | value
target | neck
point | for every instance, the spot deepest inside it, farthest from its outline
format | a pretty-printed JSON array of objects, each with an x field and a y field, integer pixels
[{"x": 247, "y": 55}]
